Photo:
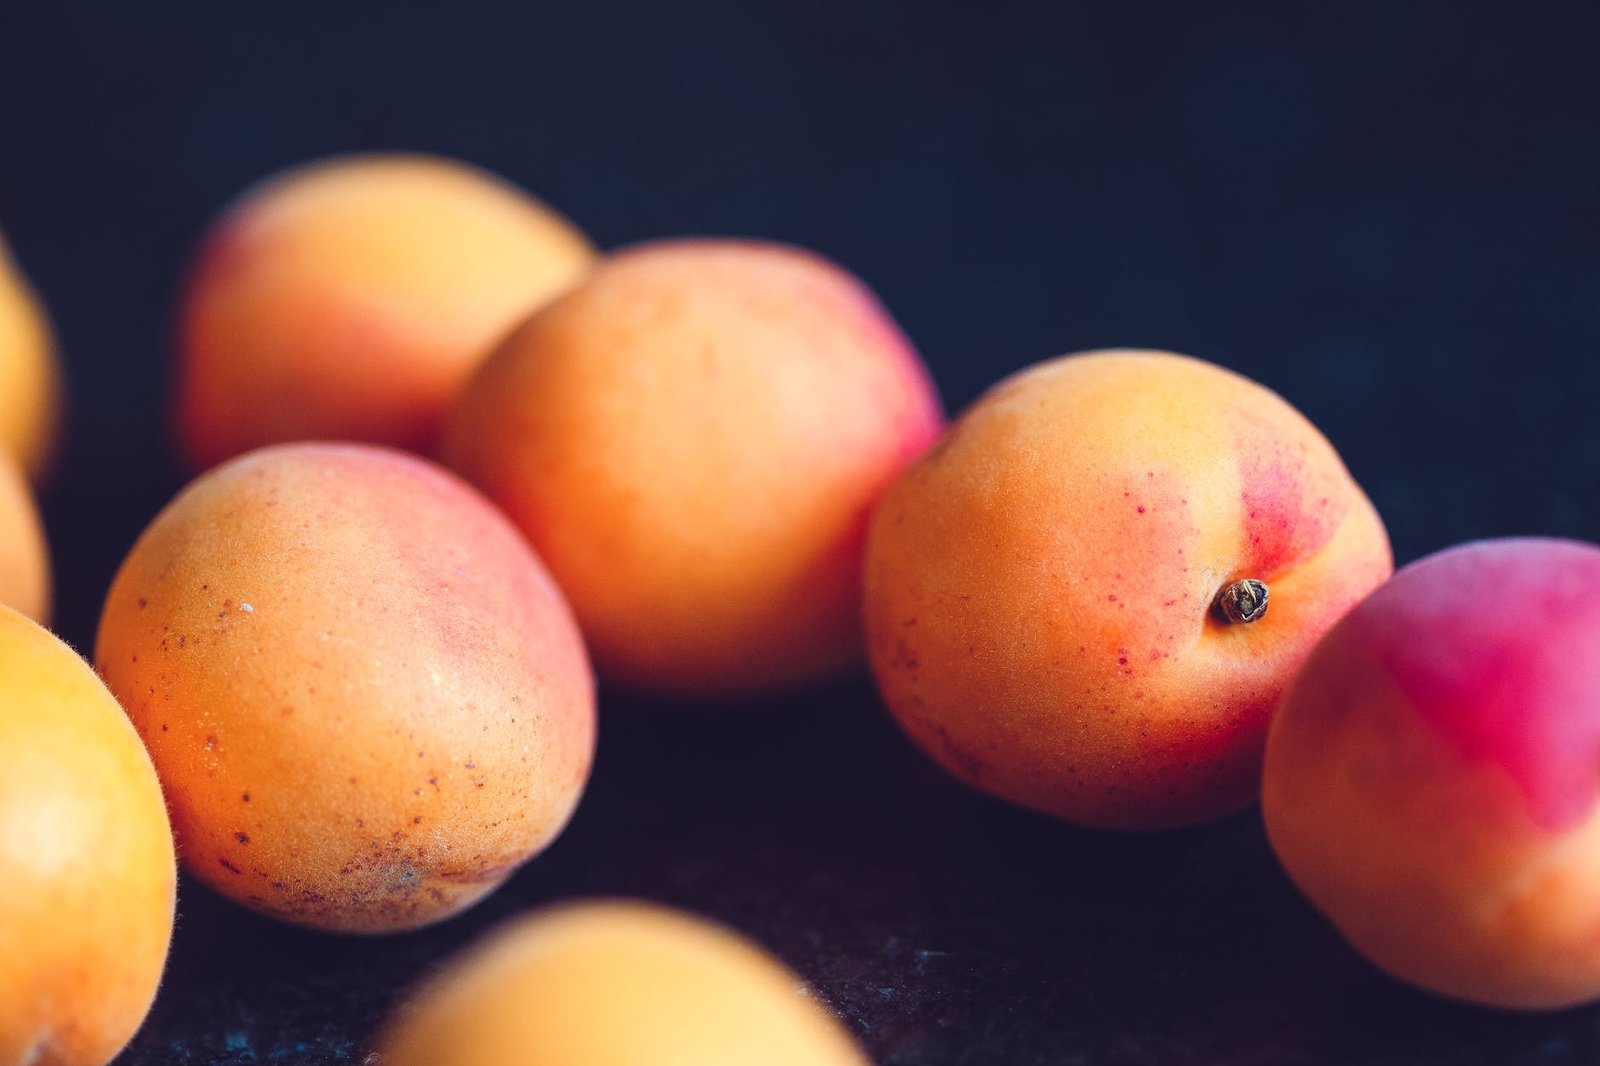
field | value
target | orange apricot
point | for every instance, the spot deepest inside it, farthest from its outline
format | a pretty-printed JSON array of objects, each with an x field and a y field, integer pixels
[
  {"x": 616, "y": 984},
  {"x": 1430, "y": 776},
  {"x": 692, "y": 438},
  {"x": 88, "y": 878},
  {"x": 350, "y": 299},
  {"x": 24, "y": 555},
  {"x": 366, "y": 699},
  {"x": 1048, "y": 591},
  {"x": 30, "y": 384}
]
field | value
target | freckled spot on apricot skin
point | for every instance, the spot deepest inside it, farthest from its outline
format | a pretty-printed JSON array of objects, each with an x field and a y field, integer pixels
[
  {"x": 243, "y": 838},
  {"x": 245, "y": 797}
]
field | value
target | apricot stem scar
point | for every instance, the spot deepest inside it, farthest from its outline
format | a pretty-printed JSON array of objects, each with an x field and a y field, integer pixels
[{"x": 1243, "y": 601}]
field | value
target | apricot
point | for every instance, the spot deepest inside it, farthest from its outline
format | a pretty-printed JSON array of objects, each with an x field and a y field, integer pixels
[
  {"x": 30, "y": 383},
  {"x": 366, "y": 699},
  {"x": 1430, "y": 779},
  {"x": 88, "y": 878},
  {"x": 615, "y": 984},
  {"x": 350, "y": 299},
  {"x": 1048, "y": 592},
  {"x": 24, "y": 556},
  {"x": 692, "y": 439}
]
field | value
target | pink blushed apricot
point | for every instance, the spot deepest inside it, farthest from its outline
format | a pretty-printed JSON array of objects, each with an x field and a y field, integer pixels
[
  {"x": 1050, "y": 592},
  {"x": 1431, "y": 781}
]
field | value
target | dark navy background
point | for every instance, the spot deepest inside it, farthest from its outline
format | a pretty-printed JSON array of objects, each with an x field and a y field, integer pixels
[{"x": 1390, "y": 214}]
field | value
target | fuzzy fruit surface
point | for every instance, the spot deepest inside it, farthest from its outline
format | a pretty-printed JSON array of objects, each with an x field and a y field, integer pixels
[
  {"x": 30, "y": 379},
  {"x": 1040, "y": 587},
  {"x": 366, "y": 700},
  {"x": 88, "y": 877},
  {"x": 24, "y": 554},
  {"x": 350, "y": 299},
  {"x": 693, "y": 438},
  {"x": 1430, "y": 780},
  {"x": 616, "y": 983}
]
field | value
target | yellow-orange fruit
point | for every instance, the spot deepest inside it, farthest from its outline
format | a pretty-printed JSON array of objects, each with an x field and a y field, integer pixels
[
  {"x": 30, "y": 383},
  {"x": 368, "y": 703},
  {"x": 350, "y": 299},
  {"x": 1040, "y": 588},
  {"x": 692, "y": 439},
  {"x": 1430, "y": 776},
  {"x": 24, "y": 556},
  {"x": 616, "y": 984},
  {"x": 87, "y": 872}
]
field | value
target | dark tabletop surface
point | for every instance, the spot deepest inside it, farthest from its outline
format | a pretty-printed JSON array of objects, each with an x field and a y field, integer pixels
[{"x": 1390, "y": 214}]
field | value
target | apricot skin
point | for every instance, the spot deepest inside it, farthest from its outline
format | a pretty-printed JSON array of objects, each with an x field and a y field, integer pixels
[
  {"x": 87, "y": 872},
  {"x": 24, "y": 555},
  {"x": 615, "y": 984},
  {"x": 30, "y": 386},
  {"x": 1430, "y": 781},
  {"x": 351, "y": 299},
  {"x": 368, "y": 703},
  {"x": 692, "y": 439},
  {"x": 1038, "y": 587}
]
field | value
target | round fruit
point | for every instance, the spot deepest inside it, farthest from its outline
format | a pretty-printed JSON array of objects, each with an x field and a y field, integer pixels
[
  {"x": 1089, "y": 596},
  {"x": 87, "y": 872},
  {"x": 350, "y": 299},
  {"x": 367, "y": 701},
  {"x": 1430, "y": 779},
  {"x": 24, "y": 556},
  {"x": 692, "y": 439},
  {"x": 616, "y": 984},
  {"x": 29, "y": 378}
]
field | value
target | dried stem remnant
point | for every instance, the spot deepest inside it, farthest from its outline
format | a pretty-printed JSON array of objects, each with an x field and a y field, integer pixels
[{"x": 1243, "y": 601}]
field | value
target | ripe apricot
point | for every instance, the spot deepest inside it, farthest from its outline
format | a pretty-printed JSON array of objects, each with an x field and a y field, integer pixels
[
  {"x": 29, "y": 377},
  {"x": 350, "y": 299},
  {"x": 87, "y": 872},
  {"x": 1041, "y": 589},
  {"x": 24, "y": 556},
  {"x": 616, "y": 984},
  {"x": 692, "y": 439},
  {"x": 1430, "y": 777},
  {"x": 367, "y": 701}
]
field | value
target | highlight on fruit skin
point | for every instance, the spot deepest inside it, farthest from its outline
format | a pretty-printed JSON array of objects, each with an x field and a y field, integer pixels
[
  {"x": 615, "y": 983},
  {"x": 1430, "y": 777},
  {"x": 24, "y": 553},
  {"x": 352, "y": 297},
  {"x": 30, "y": 375},
  {"x": 88, "y": 877},
  {"x": 692, "y": 439},
  {"x": 1065, "y": 599},
  {"x": 366, "y": 699}
]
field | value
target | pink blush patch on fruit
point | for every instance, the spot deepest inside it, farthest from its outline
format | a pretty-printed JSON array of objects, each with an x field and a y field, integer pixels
[{"x": 1509, "y": 670}]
